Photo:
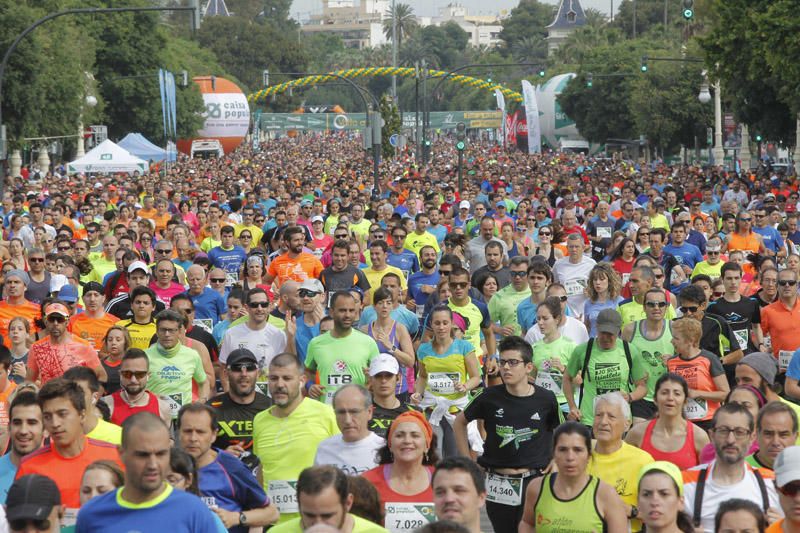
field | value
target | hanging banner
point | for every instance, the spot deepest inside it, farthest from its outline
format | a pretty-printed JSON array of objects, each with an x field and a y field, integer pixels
[
  {"x": 522, "y": 130},
  {"x": 162, "y": 89},
  {"x": 511, "y": 129},
  {"x": 501, "y": 105},
  {"x": 439, "y": 120},
  {"x": 532, "y": 118}
]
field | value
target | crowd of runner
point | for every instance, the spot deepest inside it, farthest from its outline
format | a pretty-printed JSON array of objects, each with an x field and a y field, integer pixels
[{"x": 267, "y": 340}]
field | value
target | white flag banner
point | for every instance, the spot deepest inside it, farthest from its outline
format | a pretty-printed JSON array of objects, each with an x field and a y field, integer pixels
[
  {"x": 501, "y": 105},
  {"x": 532, "y": 118}
]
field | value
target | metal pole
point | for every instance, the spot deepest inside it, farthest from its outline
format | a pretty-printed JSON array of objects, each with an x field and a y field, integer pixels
[
  {"x": 665, "y": 13},
  {"x": 80, "y": 11},
  {"x": 417, "y": 140},
  {"x": 394, "y": 50},
  {"x": 460, "y": 172},
  {"x": 424, "y": 115},
  {"x": 719, "y": 152},
  {"x": 634, "y": 19}
]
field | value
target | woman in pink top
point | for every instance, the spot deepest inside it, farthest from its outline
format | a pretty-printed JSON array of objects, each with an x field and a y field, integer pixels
[{"x": 403, "y": 477}]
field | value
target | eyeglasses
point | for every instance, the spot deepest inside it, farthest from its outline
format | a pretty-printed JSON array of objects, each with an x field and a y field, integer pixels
[
  {"x": 64, "y": 248},
  {"x": 689, "y": 308},
  {"x": 22, "y": 523},
  {"x": 305, "y": 293},
  {"x": 340, "y": 236},
  {"x": 709, "y": 252},
  {"x": 790, "y": 489},
  {"x": 138, "y": 374},
  {"x": 511, "y": 363},
  {"x": 167, "y": 331},
  {"x": 724, "y": 432},
  {"x": 659, "y": 276},
  {"x": 217, "y": 280},
  {"x": 57, "y": 318},
  {"x": 243, "y": 236},
  {"x": 243, "y": 367},
  {"x": 787, "y": 282},
  {"x": 653, "y": 305},
  {"x": 745, "y": 219},
  {"x": 461, "y": 285},
  {"x": 254, "y": 305},
  {"x": 519, "y": 274},
  {"x": 544, "y": 234},
  {"x": 36, "y": 260},
  {"x": 163, "y": 251},
  {"x": 561, "y": 298}
]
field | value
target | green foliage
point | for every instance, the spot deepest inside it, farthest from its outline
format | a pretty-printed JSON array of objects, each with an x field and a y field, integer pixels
[
  {"x": 755, "y": 55},
  {"x": 526, "y": 21},
  {"x": 392, "y": 125},
  {"x": 406, "y": 22},
  {"x": 649, "y": 15}
]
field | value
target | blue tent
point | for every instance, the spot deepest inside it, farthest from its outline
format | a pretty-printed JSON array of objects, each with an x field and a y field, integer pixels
[{"x": 138, "y": 145}]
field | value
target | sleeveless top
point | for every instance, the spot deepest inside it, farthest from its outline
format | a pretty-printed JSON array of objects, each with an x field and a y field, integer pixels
[
  {"x": 684, "y": 458},
  {"x": 122, "y": 410},
  {"x": 551, "y": 260},
  {"x": 746, "y": 243},
  {"x": 513, "y": 250},
  {"x": 552, "y": 514},
  {"x": 382, "y": 348}
]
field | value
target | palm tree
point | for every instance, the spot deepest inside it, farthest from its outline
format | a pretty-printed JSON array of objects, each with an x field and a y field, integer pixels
[
  {"x": 406, "y": 22},
  {"x": 530, "y": 48}
]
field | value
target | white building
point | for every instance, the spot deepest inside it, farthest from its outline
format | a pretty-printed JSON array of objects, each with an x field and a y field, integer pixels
[
  {"x": 360, "y": 25},
  {"x": 484, "y": 30}
]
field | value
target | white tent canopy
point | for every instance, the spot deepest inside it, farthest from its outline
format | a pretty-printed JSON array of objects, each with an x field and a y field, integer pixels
[{"x": 107, "y": 157}]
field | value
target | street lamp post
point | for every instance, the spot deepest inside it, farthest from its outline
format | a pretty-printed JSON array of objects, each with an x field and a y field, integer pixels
[{"x": 705, "y": 97}]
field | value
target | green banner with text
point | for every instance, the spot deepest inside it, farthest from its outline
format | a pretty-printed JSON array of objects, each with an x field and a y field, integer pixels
[{"x": 440, "y": 120}]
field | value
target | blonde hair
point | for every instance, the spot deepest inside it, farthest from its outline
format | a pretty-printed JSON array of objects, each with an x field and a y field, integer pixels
[
  {"x": 689, "y": 328},
  {"x": 614, "y": 281}
]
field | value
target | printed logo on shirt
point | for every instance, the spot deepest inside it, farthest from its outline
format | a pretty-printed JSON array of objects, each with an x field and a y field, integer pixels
[
  {"x": 499, "y": 413},
  {"x": 340, "y": 366},
  {"x": 654, "y": 359},
  {"x": 508, "y": 435},
  {"x": 607, "y": 377},
  {"x": 170, "y": 373},
  {"x": 535, "y": 416}
]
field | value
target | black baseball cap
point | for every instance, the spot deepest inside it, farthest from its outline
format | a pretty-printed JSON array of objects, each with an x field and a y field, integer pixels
[
  {"x": 92, "y": 286},
  {"x": 32, "y": 497},
  {"x": 241, "y": 355}
]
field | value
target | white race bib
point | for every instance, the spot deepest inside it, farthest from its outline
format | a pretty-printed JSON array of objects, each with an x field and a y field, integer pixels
[
  {"x": 784, "y": 358},
  {"x": 443, "y": 382},
  {"x": 546, "y": 380},
  {"x": 231, "y": 278},
  {"x": 626, "y": 278},
  {"x": 696, "y": 408},
  {"x": 175, "y": 404},
  {"x": 402, "y": 517},
  {"x": 283, "y": 494},
  {"x": 504, "y": 490},
  {"x": 574, "y": 287},
  {"x": 604, "y": 233},
  {"x": 420, "y": 311}
]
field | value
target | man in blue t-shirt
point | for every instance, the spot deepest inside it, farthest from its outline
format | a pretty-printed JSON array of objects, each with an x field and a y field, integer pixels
[
  {"x": 208, "y": 303},
  {"x": 686, "y": 254},
  {"x": 228, "y": 256},
  {"x": 146, "y": 502},
  {"x": 227, "y": 486},
  {"x": 399, "y": 256},
  {"x": 423, "y": 283},
  {"x": 772, "y": 239}
]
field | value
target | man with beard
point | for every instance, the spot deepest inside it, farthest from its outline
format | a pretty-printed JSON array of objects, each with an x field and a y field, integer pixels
[
  {"x": 146, "y": 502},
  {"x": 294, "y": 264},
  {"x": 26, "y": 431},
  {"x": 342, "y": 354},
  {"x": 286, "y": 436},
  {"x": 729, "y": 476},
  {"x": 133, "y": 396},
  {"x": 423, "y": 283},
  {"x": 237, "y": 408}
]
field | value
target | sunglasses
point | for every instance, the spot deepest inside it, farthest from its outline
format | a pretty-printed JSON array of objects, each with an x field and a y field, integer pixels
[
  {"x": 689, "y": 308},
  {"x": 745, "y": 219},
  {"x": 305, "y": 293},
  {"x": 544, "y": 233},
  {"x": 254, "y": 305},
  {"x": 36, "y": 260},
  {"x": 56, "y": 318},
  {"x": 518, "y": 274},
  {"x": 787, "y": 283},
  {"x": 217, "y": 280},
  {"x": 461, "y": 285},
  {"x": 162, "y": 251},
  {"x": 653, "y": 305},
  {"x": 243, "y": 367},
  {"x": 64, "y": 248},
  {"x": 139, "y": 374}
]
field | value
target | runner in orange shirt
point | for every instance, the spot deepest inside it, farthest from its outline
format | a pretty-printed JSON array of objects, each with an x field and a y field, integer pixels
[
  {"x": 16, "y": 305},
  {"x": 93, "y": 324},
  {"x": 50, "y": 357},
  {"x": 295, "y": 264}
]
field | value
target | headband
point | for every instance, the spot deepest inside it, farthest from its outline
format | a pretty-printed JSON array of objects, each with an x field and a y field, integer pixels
[{"x": 417, "y": 418}]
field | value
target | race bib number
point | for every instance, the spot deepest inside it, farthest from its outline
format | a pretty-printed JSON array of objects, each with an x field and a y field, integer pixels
[
  {"x": 626, "y": 278},
  {"x": 420, "y": 311},
  {"x": 402, "y": 517},
  {"x": 175, "y": 403},
  {"x": 549, "y": 381},
  {"x": 231, "y": 278},
  {"x": 742, "y": 337},
  {"x": 574, "y": 287},
  {"x": 604, "y": 233},
  {"x": 696, "y": 408},
  {"x": 504, "y": 490},
  {"x": 283, "y": 494},
  {"x": 443, "y": 382},
  {"x": 69, "y": 519},
  {"x": 406, "y": 273},
  {"x": 784, "y": 358},
  {"x": 205, "y": 323}
]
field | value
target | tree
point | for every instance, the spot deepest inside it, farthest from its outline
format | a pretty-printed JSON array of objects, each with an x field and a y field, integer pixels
[
  {"x": 528, "y": 19},
  {"x": 406, "y": 22},
  {"x": 529, "y": 49},
  {"x": 649, "y": 14},
  {"x": 391, "y": 125}
]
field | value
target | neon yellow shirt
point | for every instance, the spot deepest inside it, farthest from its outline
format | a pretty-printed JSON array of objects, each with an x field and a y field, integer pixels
[
  {"x": 359, "y": 526},
  {"x": 620, "y": 469},
  {"x": 106, "y": 432}
]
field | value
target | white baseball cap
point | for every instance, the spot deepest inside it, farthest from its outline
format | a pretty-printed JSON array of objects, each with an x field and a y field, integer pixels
[
  {"x": 787, "y": 466},
  {"x": 464, "y": 204},
  {"x": 138, "y": 265},
  {"x": 384, "y": 363}
]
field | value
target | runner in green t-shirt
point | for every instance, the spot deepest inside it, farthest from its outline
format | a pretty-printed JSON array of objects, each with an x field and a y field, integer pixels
[
  {"x": 503, "y": 305},
  {"x": 551, "y": 354},
  {"x": 342, "y": 354},
  {"x": 607, "y": 370}
]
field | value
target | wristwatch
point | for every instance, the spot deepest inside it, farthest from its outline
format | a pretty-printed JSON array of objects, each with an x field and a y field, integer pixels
[{"x": 242, "y": 519}]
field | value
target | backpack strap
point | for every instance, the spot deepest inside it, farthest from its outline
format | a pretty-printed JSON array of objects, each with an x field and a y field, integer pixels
[
  {"x": 698, "y": 497},
  {"x": 585, "y": 368},
  {"x": 763, "y": 488},
  {"x": 627, "y": 347}
]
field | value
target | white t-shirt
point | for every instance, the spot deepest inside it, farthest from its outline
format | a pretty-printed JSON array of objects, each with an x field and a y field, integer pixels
[
  {"x": 353, "y": 458},
  {"x": 574, "y": 279},
  {"x": 714, "y": 494},
  {"x": 573, "y": 329},
  {"x": 265, "y": 343}
]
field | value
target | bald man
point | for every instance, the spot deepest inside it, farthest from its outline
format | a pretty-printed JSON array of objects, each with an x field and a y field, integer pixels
[{"x": 208, "y": 304}]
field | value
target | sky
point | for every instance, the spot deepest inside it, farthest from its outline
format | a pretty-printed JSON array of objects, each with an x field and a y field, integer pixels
[{"x": 301, "y": 8}]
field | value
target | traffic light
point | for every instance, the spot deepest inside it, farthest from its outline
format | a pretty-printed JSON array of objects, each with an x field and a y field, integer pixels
[
  {"x": 688, "y": 9},
  {"x": 644, "y": 64},
  {"x": 589, "y": 79},
  {"x": 461, "y": 136},
  {"x": 541, "y": 73},
  {"x": 759, "y": 138}
]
